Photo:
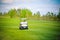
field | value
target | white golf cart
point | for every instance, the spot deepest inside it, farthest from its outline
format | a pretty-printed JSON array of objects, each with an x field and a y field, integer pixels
[{"x": 23, "y": 24}]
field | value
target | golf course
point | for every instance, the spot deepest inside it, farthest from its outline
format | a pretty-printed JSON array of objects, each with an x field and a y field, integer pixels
[
  {"x": 29, "y": 19},
  {"x": 37, "y": 30}
]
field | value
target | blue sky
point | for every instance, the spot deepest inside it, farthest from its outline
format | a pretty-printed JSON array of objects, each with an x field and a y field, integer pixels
[{"x": 34, "y": 5}]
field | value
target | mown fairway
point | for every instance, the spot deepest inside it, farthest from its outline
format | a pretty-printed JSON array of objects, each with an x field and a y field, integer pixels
[{"x": 38, "y": 30}]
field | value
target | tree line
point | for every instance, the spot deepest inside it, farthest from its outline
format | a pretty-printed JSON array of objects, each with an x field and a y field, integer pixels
[{"x": 26, "y": 13}]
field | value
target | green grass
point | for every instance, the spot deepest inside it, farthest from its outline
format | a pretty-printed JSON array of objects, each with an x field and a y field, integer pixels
[{"x": 38, "y": 30}]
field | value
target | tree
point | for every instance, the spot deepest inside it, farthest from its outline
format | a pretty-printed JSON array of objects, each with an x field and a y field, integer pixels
[
  {"x": 28, "y": 13},
  {"x": 58, "y": 16},
  {"x": 24, "y": 13},
  {"x": 12, "y": 13},
  {"x": 55, "y": 17},
  {"x": 48, "y": 14},
  {"x": 37, "y": 15},
  {"x": 52, "y": 14},
  {"x": 18, "y": 12},
  {"x": 0, "y": 13}
]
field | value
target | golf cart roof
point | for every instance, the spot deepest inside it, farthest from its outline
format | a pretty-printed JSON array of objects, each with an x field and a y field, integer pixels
[{"x": 23, "y": 18}]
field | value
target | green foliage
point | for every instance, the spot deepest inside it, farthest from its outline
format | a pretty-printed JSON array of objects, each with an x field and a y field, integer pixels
[
  {"x": 12, "y": 13},
  {"x": 0, "y": 13},
  {"x": 6, "y": 14},
  {"x": 18, "y": 12},
  {"x": 24, "y": 13},
  {"x": 28, "y": 13},
  {"x": 58, "y": 16},
  {"x": 37, "y": 15},
  {"x": 48, "y": 14}
]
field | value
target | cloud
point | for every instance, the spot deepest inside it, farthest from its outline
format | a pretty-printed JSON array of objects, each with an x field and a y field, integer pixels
[
  {"x": 7, "y": 1},
  {"x": 34, "y": 5},
  {"x": 17, "y": 1}
]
